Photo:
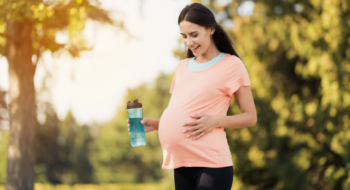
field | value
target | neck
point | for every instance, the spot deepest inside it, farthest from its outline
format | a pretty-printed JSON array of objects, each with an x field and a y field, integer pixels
[{"x": 208, "y": 55}]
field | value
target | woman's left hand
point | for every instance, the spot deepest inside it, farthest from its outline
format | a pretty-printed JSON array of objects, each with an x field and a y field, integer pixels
[{"x": 202, "y": 126}]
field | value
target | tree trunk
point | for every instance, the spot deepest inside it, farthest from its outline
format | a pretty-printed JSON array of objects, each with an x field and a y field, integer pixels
[{"x": 22, "y": 108}]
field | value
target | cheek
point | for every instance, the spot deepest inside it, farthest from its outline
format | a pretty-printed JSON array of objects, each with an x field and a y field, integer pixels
[
  {"x": 202, "y": 41},
  {"x": 206, "y": 42},
  {"x": 198, "y": 41}
]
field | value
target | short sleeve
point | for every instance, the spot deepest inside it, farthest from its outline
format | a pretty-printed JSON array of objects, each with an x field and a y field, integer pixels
[{"x": 236, "y": 76}]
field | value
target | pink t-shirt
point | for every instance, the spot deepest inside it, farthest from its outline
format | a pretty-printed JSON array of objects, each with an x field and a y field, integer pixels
[{"x": 208, "y": 92}]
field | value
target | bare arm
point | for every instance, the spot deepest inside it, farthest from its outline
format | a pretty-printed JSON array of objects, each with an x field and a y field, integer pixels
[
  {"x": 153, "y": 122},
  {"x": 247, "y": 118}
]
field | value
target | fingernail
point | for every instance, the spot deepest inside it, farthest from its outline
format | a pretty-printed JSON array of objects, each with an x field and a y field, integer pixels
[
  {"x": 188, "y": 135},
  {"x": 183, "y": 124},
  {"x": 183, "y": 130}
]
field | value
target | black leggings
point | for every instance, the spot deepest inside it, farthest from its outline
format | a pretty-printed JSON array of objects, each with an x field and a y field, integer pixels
[{"x": 203, "y": 178}]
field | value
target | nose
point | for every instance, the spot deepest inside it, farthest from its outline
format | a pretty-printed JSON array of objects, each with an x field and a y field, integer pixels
[{"x": 189, "y": 42}]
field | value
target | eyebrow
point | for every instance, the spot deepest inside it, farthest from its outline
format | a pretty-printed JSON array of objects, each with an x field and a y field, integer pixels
[{"x": 190, "y": 33}]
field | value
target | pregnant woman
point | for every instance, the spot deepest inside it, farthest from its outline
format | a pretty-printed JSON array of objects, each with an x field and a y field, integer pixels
[{"x": 191, "y": 129}]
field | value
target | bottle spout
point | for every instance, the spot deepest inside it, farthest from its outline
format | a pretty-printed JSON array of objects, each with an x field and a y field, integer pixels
[{"x": 135, "y": 104}]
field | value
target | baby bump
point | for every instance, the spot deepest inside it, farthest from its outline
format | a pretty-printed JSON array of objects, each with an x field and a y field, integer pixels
[
  {"x": 171, "y": 135},
  {"x": 170, "y": 128}
]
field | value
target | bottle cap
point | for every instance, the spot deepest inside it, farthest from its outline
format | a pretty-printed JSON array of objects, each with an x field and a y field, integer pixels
[{"x": 136, "y": 104}]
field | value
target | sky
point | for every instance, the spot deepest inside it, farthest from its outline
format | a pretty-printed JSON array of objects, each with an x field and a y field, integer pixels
[{"x": 94, "y": 85}]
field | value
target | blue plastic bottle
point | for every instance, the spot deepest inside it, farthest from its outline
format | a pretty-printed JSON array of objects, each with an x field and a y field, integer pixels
[{"x": 137, "y": 132}]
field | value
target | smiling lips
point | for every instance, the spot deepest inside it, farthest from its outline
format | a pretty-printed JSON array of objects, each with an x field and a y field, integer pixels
[{"x": 194, "y": 49}]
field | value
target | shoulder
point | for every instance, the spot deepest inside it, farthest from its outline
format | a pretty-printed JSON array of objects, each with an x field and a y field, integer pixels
[
  {"x": 234, "y": 66},
  {"x": 182, "y": 62},
  {"x": 232, "y": 59},
  {"x": 232, "y": 62}
]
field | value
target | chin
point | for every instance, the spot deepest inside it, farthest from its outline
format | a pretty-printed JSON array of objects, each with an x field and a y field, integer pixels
[{"x": 196, "y": 54}]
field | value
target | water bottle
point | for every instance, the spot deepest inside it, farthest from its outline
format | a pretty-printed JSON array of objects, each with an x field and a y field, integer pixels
[{"x": 137, "y": 132}]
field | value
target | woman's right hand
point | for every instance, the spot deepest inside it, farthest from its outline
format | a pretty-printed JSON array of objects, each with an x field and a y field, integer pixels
[{"x": 148, "y": 125}]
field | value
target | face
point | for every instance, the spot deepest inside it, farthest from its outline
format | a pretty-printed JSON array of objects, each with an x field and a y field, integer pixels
[{"x": 197, "y": 38}]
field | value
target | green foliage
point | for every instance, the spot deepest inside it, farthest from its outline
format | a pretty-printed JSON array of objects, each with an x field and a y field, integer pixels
[
  {"x": 4, "y": 136},
  {"x": 297, "y": 54},
  {"x": 47, "y": 18},
  {"x": 62, "y": 151},
  {"x": 114, "y": 159}
]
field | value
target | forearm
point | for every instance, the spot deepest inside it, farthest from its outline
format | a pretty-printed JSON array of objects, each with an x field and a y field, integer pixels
[
  {"x": 156, "y": 124},
  {"x": 242, "y": 120}
]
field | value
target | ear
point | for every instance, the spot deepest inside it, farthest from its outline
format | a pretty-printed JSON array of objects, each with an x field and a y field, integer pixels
[{"x": 212, "y": 30}]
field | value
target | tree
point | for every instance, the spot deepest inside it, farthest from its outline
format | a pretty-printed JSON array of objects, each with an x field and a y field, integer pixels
[
  {"x": 297, "y": 54},
  {"x": 27, "y": 29},
  {"x": 3, "y": 107}
]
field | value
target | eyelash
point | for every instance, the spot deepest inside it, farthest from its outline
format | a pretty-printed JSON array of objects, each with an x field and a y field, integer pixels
[{"x": 192, "y": 36}]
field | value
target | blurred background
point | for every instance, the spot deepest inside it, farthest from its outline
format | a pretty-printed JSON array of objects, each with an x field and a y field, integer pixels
[{"x": 88, "y": 58}]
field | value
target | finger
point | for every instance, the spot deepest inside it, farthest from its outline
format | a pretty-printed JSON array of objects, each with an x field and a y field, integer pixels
[
  {"x": 127, "y": 120},
  {"x": 197, "y": 115},
  {"x": 192, "y": 128},
  {"x": 198, "y": 136},
  {"x": 191, "y": 123},
  {"x": 194, "y": 133},
  {"x": 128, "y": 125},
  {"x": 144, "y": 121}
]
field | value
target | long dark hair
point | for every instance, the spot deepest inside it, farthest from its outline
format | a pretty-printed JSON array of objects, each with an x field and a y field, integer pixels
[{"x": 201, "y": 15}]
